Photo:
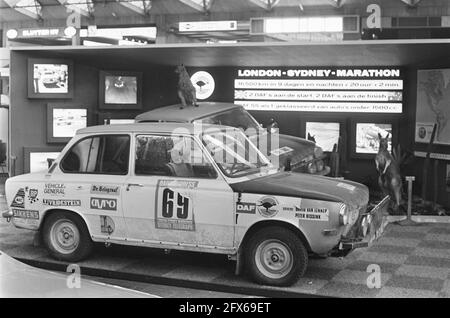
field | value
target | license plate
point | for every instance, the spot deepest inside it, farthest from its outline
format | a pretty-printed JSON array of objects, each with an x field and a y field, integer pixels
[{"x": 26, "y": 214}]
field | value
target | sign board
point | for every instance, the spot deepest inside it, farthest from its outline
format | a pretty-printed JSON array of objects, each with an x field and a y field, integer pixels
[
  {"x": 359, "y": 90},
  {"x": 199, "y": 26}
]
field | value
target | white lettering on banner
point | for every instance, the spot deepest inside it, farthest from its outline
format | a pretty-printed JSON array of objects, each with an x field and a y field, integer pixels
[
  {"x": 322, "y": 106},
  {"x": 318, "y": 84},
  {"x": 381, "y": 96},
  {"x": 319, "y": 73}
]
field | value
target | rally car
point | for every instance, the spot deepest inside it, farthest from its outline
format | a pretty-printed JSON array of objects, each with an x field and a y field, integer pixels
[
  {"x": 289, "y": 153},
  {"x": 172, "y": 186}
]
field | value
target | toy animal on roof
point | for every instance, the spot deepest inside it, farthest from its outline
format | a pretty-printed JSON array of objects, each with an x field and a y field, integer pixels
[
  {"x": 186, "y": 90},
  {"x": 389, "y": 177}
]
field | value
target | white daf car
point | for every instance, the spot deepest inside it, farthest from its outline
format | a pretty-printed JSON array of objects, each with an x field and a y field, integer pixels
[{"x": 175, "y": 186}]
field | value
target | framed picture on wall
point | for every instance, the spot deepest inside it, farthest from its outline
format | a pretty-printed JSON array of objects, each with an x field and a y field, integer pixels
[
  {"x": 324, "y": 134},
  {"x": 365, "y": 140},
  {"x": 120, "y": 90},
  {"x": 50, "y": 78},
  {"x": 116, "y": 118},
  {"x": 39, "y": 158},
  {"x": 63, "y": 120}
]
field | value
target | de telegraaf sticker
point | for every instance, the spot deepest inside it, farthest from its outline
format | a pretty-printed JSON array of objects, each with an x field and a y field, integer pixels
[
  {"x": 105, "y": 189},
  {"x": 267, "y": 206}
]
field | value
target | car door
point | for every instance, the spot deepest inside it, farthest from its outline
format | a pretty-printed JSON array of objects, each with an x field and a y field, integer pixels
[
  {"x": 176, "y": 196},
  {"x": 90, "y": 179}
]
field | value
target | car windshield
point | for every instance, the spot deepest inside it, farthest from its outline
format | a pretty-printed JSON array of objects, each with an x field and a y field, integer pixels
[
  {"x": 234, "y": 153},
  {"x": 236, "y": 117}
]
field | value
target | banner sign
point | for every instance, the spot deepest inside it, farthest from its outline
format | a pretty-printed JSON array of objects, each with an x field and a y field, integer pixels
[{"x": 320, "y": 90}]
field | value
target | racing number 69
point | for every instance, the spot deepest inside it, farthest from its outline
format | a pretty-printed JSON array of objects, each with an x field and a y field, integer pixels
[{"x": 168, "y": 204}]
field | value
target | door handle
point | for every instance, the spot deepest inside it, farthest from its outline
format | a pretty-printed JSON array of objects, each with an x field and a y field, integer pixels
[{"x": 134, "y": 185}]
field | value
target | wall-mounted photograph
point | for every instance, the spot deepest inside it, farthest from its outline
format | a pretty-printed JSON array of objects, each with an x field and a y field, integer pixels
[
  {"x": 367, "y": 139},
  {"x": 114, "y": 118},
  {"x": 50, "y": 78},
  {"x": 120, "y": 90},
  {"x": 64, "y": 120},
  {"x": 39, "y": 158},
  {"x": 326, "y": 135}
]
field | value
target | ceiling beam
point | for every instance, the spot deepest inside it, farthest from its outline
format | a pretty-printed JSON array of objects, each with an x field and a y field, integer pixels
[
  {"x": 133, "y": 5},
  {"x": 267, "y": 5},
  {"x": 74, "y": 5},
  {"x": 336, "y": 3},
  {"x": 201, "y": 6},
  {"x": 33, "y": 11}
]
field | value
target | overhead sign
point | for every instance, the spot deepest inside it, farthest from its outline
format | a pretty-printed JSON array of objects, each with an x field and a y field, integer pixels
[
  {"x": 364, "y": 90},
  {"x": 35, "y": 33},
  {"x": 199, "y": 26}
]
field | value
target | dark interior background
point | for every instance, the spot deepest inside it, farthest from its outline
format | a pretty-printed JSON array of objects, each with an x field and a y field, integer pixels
[{"x": 159, "y": 89}]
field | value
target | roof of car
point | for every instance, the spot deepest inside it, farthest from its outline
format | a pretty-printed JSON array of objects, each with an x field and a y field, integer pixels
[
  {"x": 147, "y": 128},
  {"x": 188, "y": 114}
]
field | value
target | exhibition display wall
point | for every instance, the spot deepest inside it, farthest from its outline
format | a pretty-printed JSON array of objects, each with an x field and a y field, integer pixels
[{"x": 373, "y": 100}]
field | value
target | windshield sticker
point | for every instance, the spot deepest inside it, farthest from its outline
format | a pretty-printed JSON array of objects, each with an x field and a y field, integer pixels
[
  {"x": 32, "y": 195},
  {"x": 281, "y": 151},
  {"x": 103, "y": 204},
  {"x": 346, "y": 186},
  {"x": 107, "y": 225},
  {"x": 105, "y": 189},
  {"x": 267, "y": 206},
  {"x": 26, "y": 214},
  {"x": 174, "y": 205},
  {"x": 56, "y": 189},
  {"x": 19, "y": 199},
  {"x": 312, "y": 214},
  {"x": 61, "y": 202},
  {"x": 245, "y": 207}
]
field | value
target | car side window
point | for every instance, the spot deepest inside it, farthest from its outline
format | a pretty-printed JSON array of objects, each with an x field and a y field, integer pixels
[
  {"x": 106, "y": 154},
  {"x": 178, "y": 156}
]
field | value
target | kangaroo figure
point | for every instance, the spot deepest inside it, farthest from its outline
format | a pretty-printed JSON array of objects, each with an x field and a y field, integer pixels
[
  {"x": 389, "y": 178},
  {"x": 312, "y": 138},
  {"x": 186, "y": 90}
]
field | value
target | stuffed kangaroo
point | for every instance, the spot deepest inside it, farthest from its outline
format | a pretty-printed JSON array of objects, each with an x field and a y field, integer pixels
[
  {"x": 389, "y": 178},
  {"x": 186, "y": 90}
]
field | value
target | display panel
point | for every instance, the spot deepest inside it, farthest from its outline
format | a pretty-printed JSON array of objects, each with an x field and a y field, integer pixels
[
  {"x": 114, "y": 118},
  {"x": 50, "y": 78},
  {"x": 120, "y": 90},
  {"x": 320, "y": 90},
  {"x": 367, "y": 140},
  {"x": 64, "y": 120},
  {"x": 325, "y": 134},
  {"x": 433, "y": 100}
]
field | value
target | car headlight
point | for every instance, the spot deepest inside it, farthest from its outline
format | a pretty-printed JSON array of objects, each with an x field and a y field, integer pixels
[
  {"x": 318, "y": 152},
  {"x": 343, "y": 215},
  {"x": 311, "y": 167}
]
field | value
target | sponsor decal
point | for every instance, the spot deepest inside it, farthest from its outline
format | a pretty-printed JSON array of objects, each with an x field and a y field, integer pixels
[
  {"x": 346, "y": 186},
  {"x": 175, "y": 205},
  {"x": 105, "y": 189},
  {"x": 19, "y": 199},
  {"x": 103, "y": 204},
  {"x": 312, "y": 214},
  {"x": 245, "y": 207},
  {"x": 107, "y": 225},
  {"x": 267, "y": 206},
  {"x": 55, "y": 189},
  {"x": 61, "y": 202},
  {"x": 32, "y": 195},
  {"x": 26, "y": 214}
]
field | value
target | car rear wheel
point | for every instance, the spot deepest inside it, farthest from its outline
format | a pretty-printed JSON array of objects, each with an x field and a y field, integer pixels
[
  {"x": 66, "y": 237},
  {"x": 276, "y": 256}
]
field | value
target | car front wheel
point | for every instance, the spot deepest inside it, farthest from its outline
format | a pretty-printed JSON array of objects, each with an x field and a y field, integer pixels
[
  {"x": 276, "y": 256},
  {"x": 66, "y": 237}
]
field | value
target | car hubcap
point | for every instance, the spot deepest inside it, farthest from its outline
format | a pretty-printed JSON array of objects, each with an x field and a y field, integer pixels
[
  {"x": 274, "y": 259},
  {"x": 65, "y": 236}
]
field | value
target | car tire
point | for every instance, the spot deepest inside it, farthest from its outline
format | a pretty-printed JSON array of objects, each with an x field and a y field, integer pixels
[
  {"x": 66, "y": 237},
  {"x": 275, "y": 256}
]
